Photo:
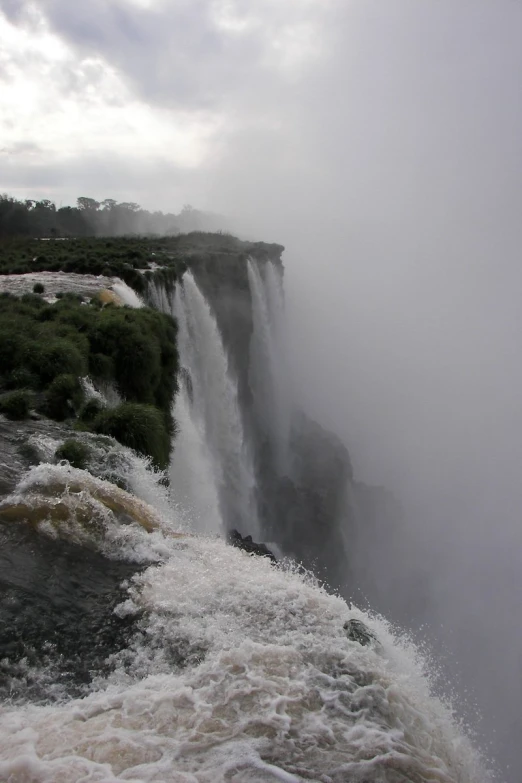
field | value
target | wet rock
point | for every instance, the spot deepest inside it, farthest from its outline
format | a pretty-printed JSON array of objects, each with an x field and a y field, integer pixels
[
  {"x": 236, "y": 539},
  {"x": 358, "y": 632}
]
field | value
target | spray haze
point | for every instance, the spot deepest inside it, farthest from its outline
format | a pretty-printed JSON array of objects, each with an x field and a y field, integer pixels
[
  {"x": 398, "y": 208},
  {"x": 381, "y": 143}
]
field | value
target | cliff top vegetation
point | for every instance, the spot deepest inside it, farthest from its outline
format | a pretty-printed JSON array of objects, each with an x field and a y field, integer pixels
[{"x": 46, "y": 349}]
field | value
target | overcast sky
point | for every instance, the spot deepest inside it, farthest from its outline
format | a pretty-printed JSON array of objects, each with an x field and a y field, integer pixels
[
  {"x": 381, "y": 142},
  {"x": 210, "y": 101},
  {"x": 112, "y": 97}
]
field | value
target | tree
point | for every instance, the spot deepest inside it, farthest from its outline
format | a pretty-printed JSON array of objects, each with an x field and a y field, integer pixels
[{"x": 88, "y": 204}]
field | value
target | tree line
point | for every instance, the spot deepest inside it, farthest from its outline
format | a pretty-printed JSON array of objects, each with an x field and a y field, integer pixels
[{"x": 31, "y": 218}]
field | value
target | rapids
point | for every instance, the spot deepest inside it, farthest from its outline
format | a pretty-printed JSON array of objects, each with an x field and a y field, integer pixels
[
  {"x": 59, "y": 282},
  {"x": 234, "y": 670}
]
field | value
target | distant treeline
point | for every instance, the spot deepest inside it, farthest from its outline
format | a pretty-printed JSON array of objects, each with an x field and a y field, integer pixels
[{"x": 32, "y": 218}]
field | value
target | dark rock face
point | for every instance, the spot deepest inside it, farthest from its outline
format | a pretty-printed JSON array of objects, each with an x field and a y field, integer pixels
[
  {"x": 18, "y": 454},
  {"x": 307, "y": 511},
  {"x": 222, "y": 276},
  {"x": 358, "y": 632},
  {"x": 57, "y": 617},
  {"x": 236, "y": 539},
  {"x": 301, "y": 511}
]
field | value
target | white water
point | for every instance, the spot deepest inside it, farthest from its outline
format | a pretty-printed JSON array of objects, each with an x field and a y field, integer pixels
[
  {"x": 127, "y": 295},
  {"x": 268, "y": 364},
  {"x": 207, "y": 410},
  {"x": 193, "y": 480},
  {"x": 271, "y": 688},
  {"x": 59, "y": 282},
  {"x": 192, "y": 475},
  {"x": 159, "y": 298}
]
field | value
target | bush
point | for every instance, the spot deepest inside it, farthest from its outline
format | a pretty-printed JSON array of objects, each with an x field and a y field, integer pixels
[
  {"x": 75, "y": 452},
  {"x": 63, "y": 397},
  {"x": 16, "y": 405},
  {"x": 38, "y": 288},
  {"x": 101, "y": 366},
  {"x": 57, "y": 357},
  {"x": 140, "y": 427},
  {"x": 32, "y": 299},
  {"x": 22, "y": 378},
  {"x": 90, "y": 410}
]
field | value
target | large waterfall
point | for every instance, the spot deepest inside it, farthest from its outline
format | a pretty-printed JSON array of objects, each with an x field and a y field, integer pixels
[
  {"x": 154, "y": 651},
  {"x": 209, "y": 419}
]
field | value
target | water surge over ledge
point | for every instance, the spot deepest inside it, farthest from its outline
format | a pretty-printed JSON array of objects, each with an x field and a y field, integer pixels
[
  {"x": 211, "y": 458},
  {"x": 236, "y": 671}
]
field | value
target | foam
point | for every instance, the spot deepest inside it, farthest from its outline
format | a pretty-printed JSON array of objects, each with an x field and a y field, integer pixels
[{"x": 242, "y": 672}]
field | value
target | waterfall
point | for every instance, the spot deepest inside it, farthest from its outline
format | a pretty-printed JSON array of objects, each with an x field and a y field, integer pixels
[
  {"x": 159, "y": 298},
  {"x": 268, "y": 372},
  {"x": 214, "y": 405},
  {"x": 211, "y": 469},
  {"x": 218, "y": 666},
  {"x": 132, "y": 649},
  {"x": 191, "y": 472}
]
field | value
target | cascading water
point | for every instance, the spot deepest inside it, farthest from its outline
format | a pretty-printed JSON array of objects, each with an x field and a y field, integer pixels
[
  {"x": 193, "y": 480},
  {"x": 132, "y": 650},
  {"x": 213, "y": 398},
  {"x": 268, "y": 366},
  {"x": 211, "y": 468},
  {"x": 192, "y": 474},
  {"x": 229, "y": 670}
]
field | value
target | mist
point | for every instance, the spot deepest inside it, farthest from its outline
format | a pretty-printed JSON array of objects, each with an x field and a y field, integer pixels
[{"x": 395, "y": 183}]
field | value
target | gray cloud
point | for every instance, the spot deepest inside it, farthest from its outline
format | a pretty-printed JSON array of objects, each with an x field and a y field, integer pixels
[{"x": 175, "y": 54}]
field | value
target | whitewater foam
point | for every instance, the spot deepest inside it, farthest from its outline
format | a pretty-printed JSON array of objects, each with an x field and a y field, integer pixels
[{"x": 241, "y": 671}]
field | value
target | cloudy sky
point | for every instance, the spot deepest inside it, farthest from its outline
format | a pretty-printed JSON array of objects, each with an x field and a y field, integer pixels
[
  {"x": 211, "y": 101},
  {"x": 145, "y": 97}
]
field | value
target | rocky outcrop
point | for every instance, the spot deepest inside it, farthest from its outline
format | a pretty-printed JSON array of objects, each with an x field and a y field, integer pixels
[{"x": 248, "y": 545}]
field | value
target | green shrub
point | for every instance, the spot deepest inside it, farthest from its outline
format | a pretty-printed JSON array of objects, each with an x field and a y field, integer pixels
[
  {"x": 140, "y": 427},
  {"x": 63, "y": 397},
  {"x": 16, "y": 405},
  {"x": 90, "y": 410},
  {"x": 75, "y": 452},
  {"x": 38, "y": 288},
  {"x": 32, "y": 299},
  {"x": 57, "y": 357},
  {"x": 101, "y": 366},
  {"x": 22, "y": 378}
]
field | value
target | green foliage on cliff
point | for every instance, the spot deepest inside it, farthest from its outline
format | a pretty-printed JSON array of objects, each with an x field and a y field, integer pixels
[
  {"x": 63, "y": 397},
  {"x": 48, "y": 348},
  {"x": 16, "y": 405},
  {"x": 75, "y": 452},
  {"x": 141, "y": 427},
  {"x": 137, "y": 260}
]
